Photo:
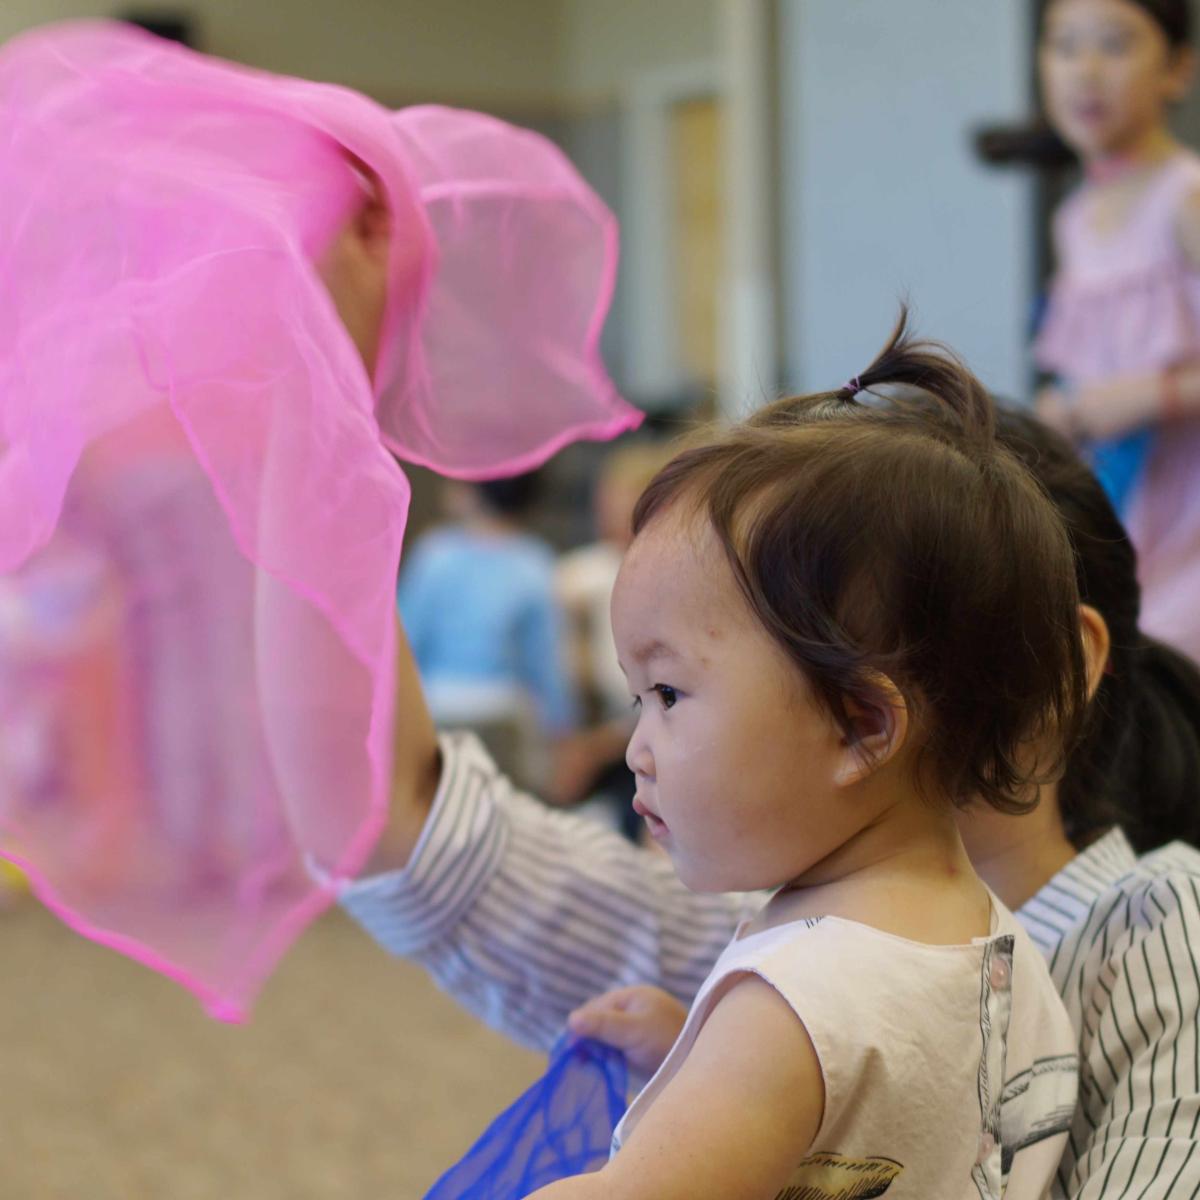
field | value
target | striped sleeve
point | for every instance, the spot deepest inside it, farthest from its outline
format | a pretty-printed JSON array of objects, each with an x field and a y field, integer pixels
[
  {"x": 524, "y": 912},
  {"x": 1136, "y": 993}
]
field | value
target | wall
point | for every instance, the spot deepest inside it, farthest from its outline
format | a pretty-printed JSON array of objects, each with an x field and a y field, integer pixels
[
  {"x": 881, "y": 193},
  {"x": 606, "y": 44},
  {"x": 526, "y": 53},
  {"x": 470, "y": 51}
]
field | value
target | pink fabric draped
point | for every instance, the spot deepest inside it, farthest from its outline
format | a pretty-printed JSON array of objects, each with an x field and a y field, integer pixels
[{"x": 200, "y": 519}]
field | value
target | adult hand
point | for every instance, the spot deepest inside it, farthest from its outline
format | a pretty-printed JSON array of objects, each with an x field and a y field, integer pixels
[
  {"x": 641, "y": 1021},
  {"x": 355, "y": 270}
]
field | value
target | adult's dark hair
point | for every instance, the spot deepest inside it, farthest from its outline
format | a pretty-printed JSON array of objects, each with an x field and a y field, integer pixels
[
  {"x": 512, "y": 497},
  {"x": 1034, "y": 143},
  {"x": 1138, "y": 761},
  {"x": 902, "y": 542}
]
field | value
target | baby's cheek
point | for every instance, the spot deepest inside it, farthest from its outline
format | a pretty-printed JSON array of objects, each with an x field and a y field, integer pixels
[{"x": 689, "y": 741}]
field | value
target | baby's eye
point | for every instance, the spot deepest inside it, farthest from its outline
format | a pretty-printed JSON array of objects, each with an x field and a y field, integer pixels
[{"x": 666, "y": 694}]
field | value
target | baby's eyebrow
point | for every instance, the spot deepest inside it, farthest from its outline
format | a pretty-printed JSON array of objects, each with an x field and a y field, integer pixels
[{"x": 656, "y": 648}]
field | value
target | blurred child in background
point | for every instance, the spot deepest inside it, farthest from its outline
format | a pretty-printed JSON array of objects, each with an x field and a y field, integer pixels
[
  {"x": 1122, "y": 329},
  {"x": 478, "y": 598}
]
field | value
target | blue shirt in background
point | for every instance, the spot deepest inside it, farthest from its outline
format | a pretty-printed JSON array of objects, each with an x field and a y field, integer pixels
[{"x": 482, "y": 608}]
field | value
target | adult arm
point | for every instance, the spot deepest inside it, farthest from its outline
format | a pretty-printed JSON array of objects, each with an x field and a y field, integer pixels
[
  {"x": 523, "y": 913},
  {"x": 417, "y": 597},
  {"x": 1136, "y": 1130}
]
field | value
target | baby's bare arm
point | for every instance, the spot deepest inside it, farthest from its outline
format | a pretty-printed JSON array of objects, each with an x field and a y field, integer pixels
[{"x": 732, "y": 1123}]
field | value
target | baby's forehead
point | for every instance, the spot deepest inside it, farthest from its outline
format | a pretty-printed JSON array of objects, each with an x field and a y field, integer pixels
[
  {"x": 675, "y": 537},
  {"x": 677, "y": 559}
]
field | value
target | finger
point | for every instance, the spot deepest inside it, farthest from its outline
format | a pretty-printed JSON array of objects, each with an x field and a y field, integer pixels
[
  {"x": 616, "y": 1000},
  {"x": 612, "y": 1027}
]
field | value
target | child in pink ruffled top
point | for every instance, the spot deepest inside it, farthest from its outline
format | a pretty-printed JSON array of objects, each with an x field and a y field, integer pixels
[{"x": 1122, "y": 331}]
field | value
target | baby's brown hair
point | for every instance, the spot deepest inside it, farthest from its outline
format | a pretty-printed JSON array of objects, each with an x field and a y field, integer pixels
[{"x": 895, "y": 539}]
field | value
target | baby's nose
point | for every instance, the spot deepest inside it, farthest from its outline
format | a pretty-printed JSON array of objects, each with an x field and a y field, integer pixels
[{"x": 638, "y": 757}]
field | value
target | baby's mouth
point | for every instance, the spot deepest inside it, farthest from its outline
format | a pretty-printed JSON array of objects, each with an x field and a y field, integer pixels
[{"x": 654, "y": 823}]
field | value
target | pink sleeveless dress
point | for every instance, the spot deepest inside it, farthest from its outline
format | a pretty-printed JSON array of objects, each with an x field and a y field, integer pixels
[
  {"x": 1129, "y": 302},
  {"x": 201, "y": 508}
]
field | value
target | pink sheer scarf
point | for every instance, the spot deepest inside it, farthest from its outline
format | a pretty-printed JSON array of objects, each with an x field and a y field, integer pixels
[{"x": 200, "y": 519}]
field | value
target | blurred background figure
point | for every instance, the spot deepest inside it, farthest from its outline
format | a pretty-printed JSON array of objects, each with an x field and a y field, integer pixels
[
  {"x": 591, "y": 765},
  {"x": 477, "y": 596},
  {"x": 60, "y": 634},
  {"x": 1122, "y": 328},
  {"x": 1119, "y": 336}
]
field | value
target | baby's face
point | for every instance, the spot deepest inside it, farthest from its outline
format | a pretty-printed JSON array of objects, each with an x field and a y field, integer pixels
[{"x": 734, "y": 760}]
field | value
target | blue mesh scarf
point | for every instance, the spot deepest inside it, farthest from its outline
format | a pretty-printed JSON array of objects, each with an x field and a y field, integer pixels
[{"x": 562, "y": 1126}]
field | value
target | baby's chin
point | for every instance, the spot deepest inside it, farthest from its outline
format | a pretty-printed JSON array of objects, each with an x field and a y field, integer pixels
[{"x": 711, "y": 879}]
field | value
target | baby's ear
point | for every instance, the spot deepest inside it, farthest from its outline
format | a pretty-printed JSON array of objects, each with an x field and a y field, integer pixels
[
  {"x": 1097, "y": 644},
  {"x": 878, "y": 730}
]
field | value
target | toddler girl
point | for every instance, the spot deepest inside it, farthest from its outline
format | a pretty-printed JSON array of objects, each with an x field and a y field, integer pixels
[{"x": 840, "y": 621}]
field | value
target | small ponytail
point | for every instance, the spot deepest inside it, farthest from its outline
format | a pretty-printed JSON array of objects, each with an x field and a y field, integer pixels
[
  {"x": 930, "y": 390},
  {"x": 936, "y": 371}
]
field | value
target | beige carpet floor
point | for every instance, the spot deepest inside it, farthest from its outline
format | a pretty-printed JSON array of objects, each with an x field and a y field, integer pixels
[{"x": 355, "y": 1079}]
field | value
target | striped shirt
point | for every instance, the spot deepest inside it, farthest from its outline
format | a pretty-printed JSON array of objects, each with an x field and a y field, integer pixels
[
  {"x": 523, "y": 913},
  {"x": 1122, "y": 937}
]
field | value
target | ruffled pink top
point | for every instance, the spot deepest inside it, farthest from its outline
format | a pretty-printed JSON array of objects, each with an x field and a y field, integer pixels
[
  {"x": 201, "y": 513},
  {"x": 1128, "y": 301}
]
